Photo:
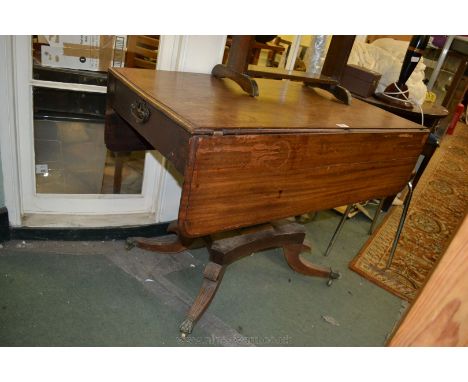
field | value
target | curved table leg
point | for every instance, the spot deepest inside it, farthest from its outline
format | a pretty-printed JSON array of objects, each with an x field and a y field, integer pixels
[
  {"x": 171, "y": 243},
  {"x": 212, "y": 276},
  {"x": 292, "y": 254},
  {"x": 225, "y": 251}
]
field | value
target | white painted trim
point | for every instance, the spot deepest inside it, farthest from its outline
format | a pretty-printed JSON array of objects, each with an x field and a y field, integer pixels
[
  {"x": 69, "y": 86},
  {"x": 8, "y": 148},
  {"x": 79, "y": 221},
  {"x": 168, "y": 52}
]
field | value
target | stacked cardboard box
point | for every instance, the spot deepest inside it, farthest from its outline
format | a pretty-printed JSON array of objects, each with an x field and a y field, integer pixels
[{"x": 83, "y": 52}]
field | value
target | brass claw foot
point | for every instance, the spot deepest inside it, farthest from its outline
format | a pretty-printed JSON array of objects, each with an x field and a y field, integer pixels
[
  {"x": 212, "y": 276},
  {"x": 186, "y": 328}
]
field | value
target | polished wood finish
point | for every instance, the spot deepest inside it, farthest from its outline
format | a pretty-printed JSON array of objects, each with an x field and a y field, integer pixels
[
  {"x": 279, "y": 74},
  {"x": 246, "y": 83},
  {"x": 239, "y": 53},
  {"x": 202, "y": 104},
  {"x": 257, "y": 178},
  {"x": 237, "y": 62},
  {"x": 439, "y": 315},
  {"x": 160, "y": 131},
  {"x": 433, "y": 113},
  {"x": 256, "y": 160}
]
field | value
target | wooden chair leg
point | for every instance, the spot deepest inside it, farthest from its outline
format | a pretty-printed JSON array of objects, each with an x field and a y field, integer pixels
[{"x": 118, "y": 167}]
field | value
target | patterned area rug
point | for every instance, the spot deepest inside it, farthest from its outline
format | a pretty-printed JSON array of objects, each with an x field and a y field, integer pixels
[{"x": 439, "y": 204}]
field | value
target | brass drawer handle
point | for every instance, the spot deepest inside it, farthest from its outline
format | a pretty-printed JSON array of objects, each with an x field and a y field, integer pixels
[{"x": 140, "y": 111}]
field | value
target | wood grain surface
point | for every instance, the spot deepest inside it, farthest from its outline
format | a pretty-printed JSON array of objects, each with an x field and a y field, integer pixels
[
  {"x": 248, "y": 161},
  {"x": 238, "y": 181},
  {"x": 200, "y": 102},
  {"x": 160, "y": 131},
  {"x": 439, "y": 316}
]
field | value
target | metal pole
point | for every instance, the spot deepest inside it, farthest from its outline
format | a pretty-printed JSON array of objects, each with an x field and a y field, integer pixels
[
  {"x": 338, "y": 230},
  {"x": 440, "y": 62},
  {"x": 376, "y": 216},
  {"x": 402, "y": 222}
]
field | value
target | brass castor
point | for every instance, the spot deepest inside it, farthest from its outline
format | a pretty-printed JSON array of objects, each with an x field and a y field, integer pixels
[
  {"x": 333, "y": 276},
  {"x": 129, "y": 244}
]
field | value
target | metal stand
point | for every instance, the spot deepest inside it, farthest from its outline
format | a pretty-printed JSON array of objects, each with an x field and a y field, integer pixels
[
  {"x": 338, "y": 230},
  {"x": 376, "y": 216},
  {"x": 406, "y": 204}
]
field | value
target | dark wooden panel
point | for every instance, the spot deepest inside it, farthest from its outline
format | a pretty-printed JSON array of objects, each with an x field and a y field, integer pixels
[
  {"x": 120, "y": 136},
  {"x": 337, "y": 56},
  {"x": 238, "y": 181}
]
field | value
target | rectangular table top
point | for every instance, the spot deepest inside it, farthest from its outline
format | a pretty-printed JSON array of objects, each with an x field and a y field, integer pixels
[{"x": 202, "y": 104}]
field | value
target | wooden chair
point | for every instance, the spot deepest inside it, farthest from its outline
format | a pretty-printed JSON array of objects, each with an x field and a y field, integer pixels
[
  {"x": 142, "y": 52},
  {"x": 256, "y": 48},
  {"x": 239, "y": 69}
]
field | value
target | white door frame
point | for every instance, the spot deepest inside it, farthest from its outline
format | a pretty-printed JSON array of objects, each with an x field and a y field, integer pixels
[
  {"x": 8, "y": 151},
  {"x": 160, "y": 196}
]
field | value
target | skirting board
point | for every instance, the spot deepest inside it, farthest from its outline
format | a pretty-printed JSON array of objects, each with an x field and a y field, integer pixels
[
  {"x": 4, "y": 225},
  {"x": 76, "y": 234}
]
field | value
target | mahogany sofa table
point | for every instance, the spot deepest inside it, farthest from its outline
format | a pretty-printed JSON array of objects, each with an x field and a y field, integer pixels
[{"x": 250, "y": 162}]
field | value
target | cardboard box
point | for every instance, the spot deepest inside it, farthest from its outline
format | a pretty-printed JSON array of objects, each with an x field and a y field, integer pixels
[{"x": 83, "y": 52}]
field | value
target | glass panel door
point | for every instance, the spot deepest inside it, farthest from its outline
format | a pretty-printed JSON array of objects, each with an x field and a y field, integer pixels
[
  {"x": 69, "y": 102},
  {"x": 64, "y": 165}
]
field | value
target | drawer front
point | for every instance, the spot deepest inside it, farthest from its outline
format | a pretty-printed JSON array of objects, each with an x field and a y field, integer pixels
[{"x": 165, "y": 135}]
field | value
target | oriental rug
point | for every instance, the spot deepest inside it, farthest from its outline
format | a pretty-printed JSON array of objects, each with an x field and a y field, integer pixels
[{"x": 438, "y": 207}]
